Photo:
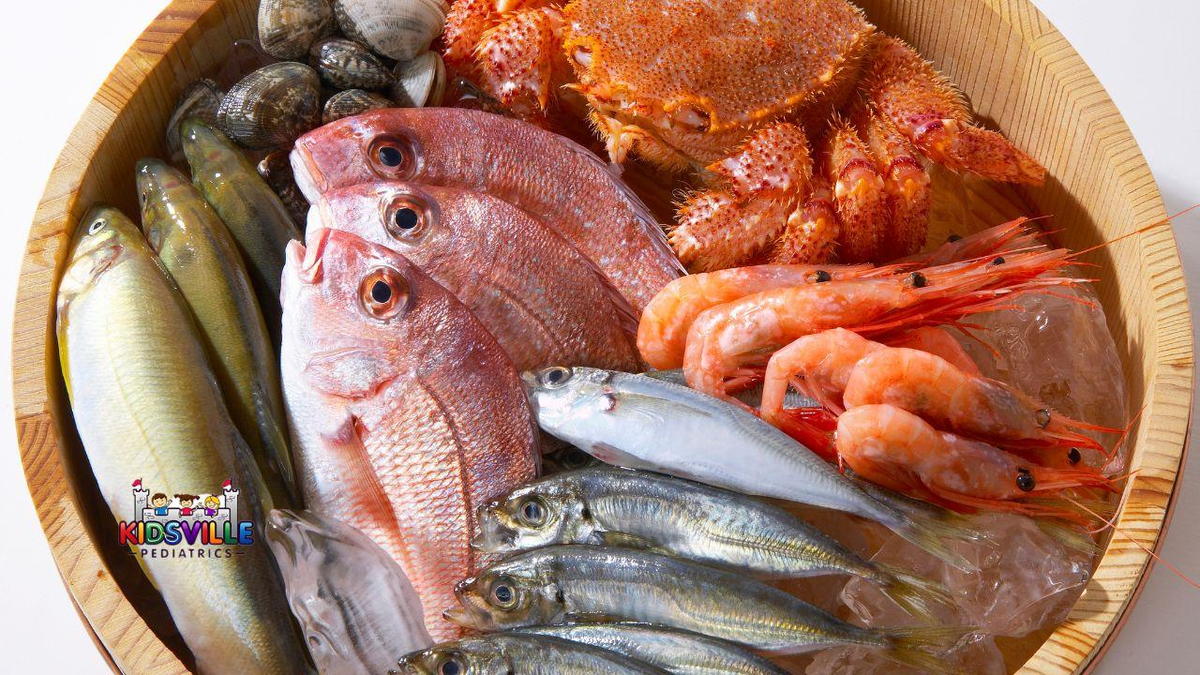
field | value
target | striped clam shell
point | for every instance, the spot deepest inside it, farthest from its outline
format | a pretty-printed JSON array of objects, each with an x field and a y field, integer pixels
[
  {"x": 420, "y": 82},
  {"x": 287, "y": 28},
  {"x": 345, "y": 64},
  {"x": 397, "y": 29},
  {"x": 352, "y": 102},
  {"x": 272, "y": 106}
]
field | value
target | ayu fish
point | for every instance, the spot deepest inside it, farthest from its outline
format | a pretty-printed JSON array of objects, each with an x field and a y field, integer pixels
[
  {"x": 547, "y": 175},
  {"x": 540, "y": 297},
  {"x": 406, "y": 415},
  {"x": 201, "y": 257},
  {"x": 147, "y": 406}
]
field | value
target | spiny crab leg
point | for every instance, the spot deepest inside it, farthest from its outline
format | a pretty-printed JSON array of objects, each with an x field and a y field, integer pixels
[
  {"x": 932, "y": 114},
  {"x": 906, "y": 183},
  {"x": 812, "y": 231},
  {"x": 858, "y": 194},
  {"x": 520, "y": 59}
]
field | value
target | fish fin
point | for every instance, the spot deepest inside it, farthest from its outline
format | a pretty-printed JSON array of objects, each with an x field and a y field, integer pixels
[
  {"x": 911, "y": 646},
  {"x": 933, "y": 535},
  {"x": 912, "y": 593},
  {"x": 623, "y": 540},
  {"x": 350, "y": 373}
]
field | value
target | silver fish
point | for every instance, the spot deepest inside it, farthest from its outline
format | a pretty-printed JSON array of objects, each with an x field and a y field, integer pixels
[
  {"x": 675, "y": 651},
  {"x": 355, "y": 605},
  {"x": 638, "y": 509},
  {"x": 639, "y": 422},
  {"x": 588, "y": 583},
  {"x": 515, "y": 654}
]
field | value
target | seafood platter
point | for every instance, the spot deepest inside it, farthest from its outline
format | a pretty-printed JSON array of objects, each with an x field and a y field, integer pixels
[{"x": 602, "y": 336}]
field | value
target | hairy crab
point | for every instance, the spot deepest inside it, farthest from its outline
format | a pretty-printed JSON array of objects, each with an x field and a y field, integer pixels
[{"x": 805, "y": 124}]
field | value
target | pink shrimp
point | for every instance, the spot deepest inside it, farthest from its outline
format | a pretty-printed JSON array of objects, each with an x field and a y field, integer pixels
[
  {"x": 665, "y": 321},
  {"x": 899, "y": 450},
  {"x": 728, "y": 340},
  {"x": 1014, "y": 235},
  {"x": 939, "y": 341},
  {"x": 962, "y": 402}
]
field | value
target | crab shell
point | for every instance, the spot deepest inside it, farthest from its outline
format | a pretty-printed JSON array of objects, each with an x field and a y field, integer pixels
[{"x": 687, "y": 80}]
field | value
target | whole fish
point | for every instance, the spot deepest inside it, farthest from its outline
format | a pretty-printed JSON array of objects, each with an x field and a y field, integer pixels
[
  {"x": 147, "y": 406},
  {"x": 258, "y": 220},
  {"x": 637, "y": 509},
  {"x": 201, "y": 257},
  {"x": 548, "y": 175},
  {"x": 355, "y": 605},
  {"x": 675, "y": 651},
  {"x": 639, "y": 422},
  {"x": 519, "y": 654},
  {"x": 564, "y": 583},
  {"x": 542, "y": 299},
  {"x": 406, "y": 414}
]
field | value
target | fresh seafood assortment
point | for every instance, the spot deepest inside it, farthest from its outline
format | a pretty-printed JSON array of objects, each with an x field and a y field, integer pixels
[{"x": 478, "y": 418}]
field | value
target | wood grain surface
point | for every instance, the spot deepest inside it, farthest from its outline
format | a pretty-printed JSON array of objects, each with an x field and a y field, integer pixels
[{"x": 1021, "y": 75}]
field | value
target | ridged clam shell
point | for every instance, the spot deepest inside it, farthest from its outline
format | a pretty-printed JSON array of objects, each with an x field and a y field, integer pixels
[
  {"x": 272, "y": 106},
  {"x": 345, "y": 64},
  {"x": 287, "y": 28},
  {"x": 352, "y": 102},
  {"x": 201, "y": 99},
  {"x": 397, "y": 29},
  {"x": 420, "y": 82}
]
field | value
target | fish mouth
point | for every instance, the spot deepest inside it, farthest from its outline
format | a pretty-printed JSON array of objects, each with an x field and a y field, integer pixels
[
  {"x": 311, "y": 181},
  {"x": 307, "y": 259},
  {"x": 458, "y": 616}
]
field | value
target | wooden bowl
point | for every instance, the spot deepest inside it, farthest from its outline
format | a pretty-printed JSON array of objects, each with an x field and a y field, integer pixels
[{"x": 1021, "y": 75}]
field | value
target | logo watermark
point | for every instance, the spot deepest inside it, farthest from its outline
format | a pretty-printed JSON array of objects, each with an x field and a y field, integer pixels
[{"x": 185, "y": 525}]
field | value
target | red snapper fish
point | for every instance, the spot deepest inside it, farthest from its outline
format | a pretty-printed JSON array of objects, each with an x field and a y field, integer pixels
[
  {"x": 540, "y": 297},
  {"x": 406, "y": 413},
  {"x": 548, "y": 175}
]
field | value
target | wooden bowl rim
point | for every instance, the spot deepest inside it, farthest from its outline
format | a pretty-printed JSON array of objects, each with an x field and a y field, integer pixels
[{"x": 33, "y": 400}]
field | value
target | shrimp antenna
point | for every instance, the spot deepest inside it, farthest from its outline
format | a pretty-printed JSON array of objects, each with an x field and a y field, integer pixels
[
  {"x": 1140, "y": 230},
  {"x": 1111, "y": 523}
]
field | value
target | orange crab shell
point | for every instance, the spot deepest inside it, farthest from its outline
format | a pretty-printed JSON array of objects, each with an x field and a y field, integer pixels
[{"x": 689, "y": 73}]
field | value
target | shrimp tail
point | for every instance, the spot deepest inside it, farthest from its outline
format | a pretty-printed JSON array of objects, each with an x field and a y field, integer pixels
[
  {"x": 913, "y": 594},
  {"x": 812, "y": 428},
  {"x": 912, "y": 646}
]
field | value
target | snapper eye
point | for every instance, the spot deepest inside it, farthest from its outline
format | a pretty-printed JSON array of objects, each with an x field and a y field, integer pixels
[
  {"x": 408, "y": 217},
  {"x": 383, "y": 293},
  {"x": 393, "y": 156},
  {"x": 555, "y": 377}
]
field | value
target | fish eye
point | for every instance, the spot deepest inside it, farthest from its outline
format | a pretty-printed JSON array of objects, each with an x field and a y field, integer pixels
[
  {"x": 1025, "y": 480},
  {"x": 96, "y": 226},
  {"x": 450, "y": 665},
  {"x": 407, "y": 217},
  {"x": 393, "y": 156},
  {"x": 503, "y": 595},
  {"x": 692, "y": 118},
  {"x": 532, "y": 512},
  {"x": 555, "y": 377},
  {"x": 383, "y": 293}
]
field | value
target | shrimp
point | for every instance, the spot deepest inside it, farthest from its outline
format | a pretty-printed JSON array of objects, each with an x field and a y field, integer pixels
[
  {"x": 898, "y": 450},
  {"x": 961, "y": 402},
  {"x": 729, "y": 340},
  {"x": 936, "y": 340},
  {"x": 665, "y": 321},
  {"x": 1014, "y": 235}
]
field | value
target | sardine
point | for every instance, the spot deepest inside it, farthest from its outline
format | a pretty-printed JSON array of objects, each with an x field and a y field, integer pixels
[
  {"x": 540, "y": 297},
  {"x": 201, "y": 257},
  {"x": 520, "y": 654},
  {"x": 639, "y": 422},
  {"x": 355, "y": 605},
  {"x": 675, "y": 651},
  {"x": 255, "y": 216},
  {"x": 406, "y": 415},
  {"x": 548, "y": 175},
  {"x": 568, "y": 583},
  {"x": 638, "y": 509},
  {"x": 147, "y": 406}
]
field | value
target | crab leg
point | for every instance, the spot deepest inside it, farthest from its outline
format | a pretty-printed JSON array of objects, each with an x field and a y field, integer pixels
[
  {"x": 812, "y": 231},
  {"x": 520, "y": 60},
  {"x": 906, "y": 183},
  {"x": 858, "y": 194},
  {"x": 759, "y": 189},
  {"x": 931, "y": 113}
]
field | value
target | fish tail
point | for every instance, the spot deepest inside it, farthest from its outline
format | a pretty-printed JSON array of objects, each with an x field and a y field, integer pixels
[
  {"x": 935, "y": 534},
  {"x": 917, "y": 647},
  {"x": 913, "y": 594},
  {"x": 1070, "y": 537}
]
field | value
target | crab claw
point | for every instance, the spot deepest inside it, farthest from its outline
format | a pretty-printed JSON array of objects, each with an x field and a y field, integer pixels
[
  {"x": 714, "y": 231},
  {"x": 774, "y": 161},
  {"x": 520, "y": 58}
]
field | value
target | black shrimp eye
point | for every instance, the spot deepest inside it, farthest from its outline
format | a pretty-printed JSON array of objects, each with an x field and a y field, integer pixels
[
  {"x": 1042, "y": 418},
  {"x": 1073, "y": 456},
  {"x": 822, "y": 276},
  {"x": 533, "y": 513},
  {"x": 390, "y": 155},
  {"x": 998, "y": 260},
  {"x": 1025, "y": 480},
  {"x": 450, "y": 666},
  {"x": 918, "y": 280},
  {"x": 953, "y": 238}
]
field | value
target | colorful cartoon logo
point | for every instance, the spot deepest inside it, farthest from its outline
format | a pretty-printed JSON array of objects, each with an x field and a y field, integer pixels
[{"x": 168, "y": 525}]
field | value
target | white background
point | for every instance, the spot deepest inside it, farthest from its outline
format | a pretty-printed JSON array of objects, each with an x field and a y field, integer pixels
[{"x": 56, "y": 53}]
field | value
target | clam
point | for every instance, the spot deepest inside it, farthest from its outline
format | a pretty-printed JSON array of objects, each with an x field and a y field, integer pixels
[
  {"x": 397, "y": 29},
  {"x": 352, "y": 102},
  {"x": 201, "y": 99},
  {"x": 345, "y": 64},
  {"x": 276, "y": 169},
  {"x": 272, "y": 106},
  {"x": 287, "y": 28},
  {"x": 420, "y": 82}
]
